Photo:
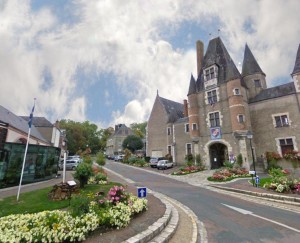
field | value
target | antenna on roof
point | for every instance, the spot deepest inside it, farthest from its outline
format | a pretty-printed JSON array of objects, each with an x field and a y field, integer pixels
[{"x": 157, "y": 92}]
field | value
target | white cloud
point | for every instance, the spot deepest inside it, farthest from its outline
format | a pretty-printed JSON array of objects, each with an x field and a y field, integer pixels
[{"x": 125, "y": 38}]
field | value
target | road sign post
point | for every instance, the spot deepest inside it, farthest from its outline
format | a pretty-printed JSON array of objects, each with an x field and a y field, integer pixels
[{"x": 142, "y": 192}]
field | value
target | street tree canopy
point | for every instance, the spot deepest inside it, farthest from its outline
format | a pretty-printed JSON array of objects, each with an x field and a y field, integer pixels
[
  {"x": 133, "y": 143},
  {"x": 139, "y": 129}
]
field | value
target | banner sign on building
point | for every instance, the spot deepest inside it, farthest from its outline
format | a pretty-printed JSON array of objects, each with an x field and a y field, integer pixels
[{"x": 215, "y": 133}]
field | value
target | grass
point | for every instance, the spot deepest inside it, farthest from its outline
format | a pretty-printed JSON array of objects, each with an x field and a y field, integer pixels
[
  {"x": 37, "y": 201},
  {"x": 262, "y": 181}
]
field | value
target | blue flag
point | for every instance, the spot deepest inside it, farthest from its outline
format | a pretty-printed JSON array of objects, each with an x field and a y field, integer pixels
[{"x": 31, "y": 116}]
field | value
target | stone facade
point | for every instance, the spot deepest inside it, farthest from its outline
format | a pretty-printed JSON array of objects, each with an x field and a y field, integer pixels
[
  {"x": 229, "y": 113},
  {"x": 115, "y": 141}
]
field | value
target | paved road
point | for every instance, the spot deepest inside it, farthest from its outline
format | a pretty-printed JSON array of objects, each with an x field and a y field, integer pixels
[{"x": 223, "y": 215}]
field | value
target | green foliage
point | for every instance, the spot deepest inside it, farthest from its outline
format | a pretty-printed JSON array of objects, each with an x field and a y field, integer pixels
[
  {"x": 198, "y": 160},
  {"x": 239, "y": 160},
  {"x": 139, "y": 129},
  {"x": 189, "y": 158},
  {"x": 272, "y": 163},
  {"x": 228, "y": 164},
  {"x": 83, "y": 172},
  {"x": 133, "y": 143},
  {"x": 79, "y": 205},
  {"x": 101, "y": 177},
  {"x": 104, "y": 135},
  {"x": 100, "y": 159},
  {"x": 79, "y": 135},
  {"x": 87, "y": 159}
]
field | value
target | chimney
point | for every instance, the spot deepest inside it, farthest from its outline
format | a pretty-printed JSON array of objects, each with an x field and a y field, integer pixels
[
  {"x": 185, "y": 108},
  {"x": 57, "y": 124},
  {"x": 200, "y": 51}
]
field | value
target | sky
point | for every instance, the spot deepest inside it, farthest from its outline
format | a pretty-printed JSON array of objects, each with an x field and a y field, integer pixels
[{"x": 105, "y": 60}]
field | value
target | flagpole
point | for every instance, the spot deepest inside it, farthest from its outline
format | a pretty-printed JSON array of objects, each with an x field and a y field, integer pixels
[
  {"x": 25, "y": 153},
  {"x": 23, "y": 166}
]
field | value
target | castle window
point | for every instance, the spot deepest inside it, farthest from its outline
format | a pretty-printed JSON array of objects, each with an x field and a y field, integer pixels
[
  {"x": 241, "y": 118},
  {"x": 188, "y": 148},
  {"x": 281, "y": 121},
  {"x": 212, "y": 97},
  {"x": 286, "y": 145},
  {"x": 257, "y": 83},
  {"x": 194, "y": 126},
  {"x": 214, "y": 119},
  {"x": 169, "y": 130},
  {"x": 236, "y": 92},
  {"x": 187, "y": 127},
  {"x": 210, "y": 73}
]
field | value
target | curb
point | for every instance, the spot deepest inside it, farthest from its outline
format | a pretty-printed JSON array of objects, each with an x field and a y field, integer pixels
[
  {"x": 279, "y": 198},
  {"x": 155, "y": 229}
]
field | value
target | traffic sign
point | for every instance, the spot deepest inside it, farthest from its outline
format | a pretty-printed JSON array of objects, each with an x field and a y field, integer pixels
[{"x": 142, "y": 192}]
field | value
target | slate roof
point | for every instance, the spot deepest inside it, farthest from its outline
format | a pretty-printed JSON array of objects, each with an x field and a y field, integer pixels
[
  {"x": 216, "y": 53},
  {"x": 19, "y": 123},
  {"x": 274, "y": 92},
  {"x": 173, "y": 109},
  {"x": 297, "y": 62},
  {"x": 182, "y": 120},
  {"x": 192, "y": 87},
  {"x": 122, "y": 127},
  {"x": 250, "y": 65},
  {"x": 39, "y": 121}
]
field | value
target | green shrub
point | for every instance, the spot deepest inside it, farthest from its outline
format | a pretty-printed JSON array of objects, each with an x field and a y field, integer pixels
[
  {"x": 272, "y": 163},
  {"x": 189, "y": 158},
  {"x": 101, "y": 177},
  {"x": 239, "y": 160},
  {"x": 228, "y": 164},
  {"x": 83, "y": 172},
  {"x": 100, "y": 159},
  {"x": 79, "y": 205},
  {"x": 87, "y": 159},
  {"x": 198, "y": 160}
]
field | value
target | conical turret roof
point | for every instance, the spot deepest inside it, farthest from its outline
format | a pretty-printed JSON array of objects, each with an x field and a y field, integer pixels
[
  {"x": 297, "y": 62},
  {"x": 250, "y": 65},
  {"x": 192, "y": 88}
]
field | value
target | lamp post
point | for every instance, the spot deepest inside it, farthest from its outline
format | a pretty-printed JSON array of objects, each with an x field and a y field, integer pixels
[{"x": 250, "y": 136}]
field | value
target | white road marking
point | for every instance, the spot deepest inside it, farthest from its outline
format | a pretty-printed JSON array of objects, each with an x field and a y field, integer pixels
[{"x": 246, "y": 212}]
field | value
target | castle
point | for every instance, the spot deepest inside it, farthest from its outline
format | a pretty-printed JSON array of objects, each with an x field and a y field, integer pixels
[{"x": 227, "y": 113}]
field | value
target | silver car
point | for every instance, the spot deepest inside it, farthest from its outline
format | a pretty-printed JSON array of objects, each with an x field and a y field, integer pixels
[
  {"x": 71, "y": 164},
  {"x": 164, "y": 164}
]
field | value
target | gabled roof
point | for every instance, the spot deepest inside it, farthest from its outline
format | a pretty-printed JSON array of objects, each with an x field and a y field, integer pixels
[
  {"x": 274, "y": 92},
  {"x": 192, "y": 87},
  {"x": 122, "y": 127},
  {"x": 297, "y": 62},
  {"x": 19, "y": 123},
  {"x": 39, "y": 121},
  {"x": 250, "y": 65},
  {"x": 173, "y": 109},
  {"x": 217, "y": 54}
]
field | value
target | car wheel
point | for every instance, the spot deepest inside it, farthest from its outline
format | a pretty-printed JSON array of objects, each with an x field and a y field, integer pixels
[{"x": 74, "y": 168}]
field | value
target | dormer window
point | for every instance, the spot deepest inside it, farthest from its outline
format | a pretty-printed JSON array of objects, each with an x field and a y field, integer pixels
[
  {"x": 210, "y": 73},
  {"x": 210, "y": 77}
]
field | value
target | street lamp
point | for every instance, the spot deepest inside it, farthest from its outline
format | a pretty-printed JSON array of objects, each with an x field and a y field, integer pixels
[{"x": 250, "y": 136}]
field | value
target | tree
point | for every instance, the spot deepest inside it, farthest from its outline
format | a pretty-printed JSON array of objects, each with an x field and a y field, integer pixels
[
  {"x": 104, "y": 135},
  {"x": 133, "y": 143},
  {"x": 139, "y": 129},
  {"x": 81, "y": 136}
]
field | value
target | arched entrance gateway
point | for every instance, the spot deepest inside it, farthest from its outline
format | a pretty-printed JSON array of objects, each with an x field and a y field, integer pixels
[{"x": 218, "y": 153}]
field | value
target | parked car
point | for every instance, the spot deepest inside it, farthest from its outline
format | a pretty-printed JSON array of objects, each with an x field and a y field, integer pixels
[
  {"x": 154, "y": 160},
  {"x": 119, "y": 157},
  {"x": 71, "y": 164},
  {"x": 164, "y": 164}
]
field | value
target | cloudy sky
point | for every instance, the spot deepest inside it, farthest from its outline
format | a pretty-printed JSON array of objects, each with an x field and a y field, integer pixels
[{"x": 104, "y": 60}]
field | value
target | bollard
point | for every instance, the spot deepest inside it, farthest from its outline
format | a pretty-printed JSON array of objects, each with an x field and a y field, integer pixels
[{"x": 257, "y": 181}]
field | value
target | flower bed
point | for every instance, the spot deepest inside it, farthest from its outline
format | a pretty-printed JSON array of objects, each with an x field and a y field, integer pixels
[
  {"x": 188, "y": 170},
  {"x": 227, "y": 174},
  {"x": 282, "y": 182},
  {"x": 114, "y": 210}
]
